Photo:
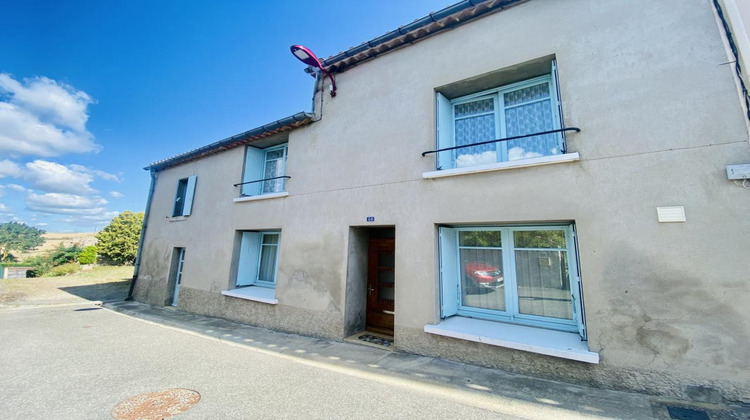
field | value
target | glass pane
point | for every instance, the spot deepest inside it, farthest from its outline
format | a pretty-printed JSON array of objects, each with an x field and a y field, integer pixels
[
  {"x": 386, "y": 293},
  {"x": 386, "y": 259},
  {"x": 543, "y": 283},
  {"x": 275, "y": 154},
  {"x": 385, "y": 276},
  {"x": 528, "y": 94},
  {"x": 482, "y": 283},
  {"x": 273, "y": 169},
  {"x": 539, "y": 239},
  {"x": 473, "y": 130},
  {"x": 270, "y": 238},
  {"x": 531, "y": 118},
  {"x": 480, "y": 238},
  {"x": 267, "y": 270},
  {"x": 476, "y": 107}
]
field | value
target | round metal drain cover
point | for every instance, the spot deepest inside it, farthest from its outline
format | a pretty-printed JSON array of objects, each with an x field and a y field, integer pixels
[{"x": 156, "y": 405}]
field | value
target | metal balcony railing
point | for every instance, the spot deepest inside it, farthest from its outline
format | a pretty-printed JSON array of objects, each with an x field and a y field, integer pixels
[
  {"x": 541, "y": 133},
  {"x": 261, "y": 180}
]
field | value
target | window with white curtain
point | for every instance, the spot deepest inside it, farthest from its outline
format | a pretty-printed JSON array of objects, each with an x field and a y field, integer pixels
[
  {"x": 263, "y": 164},
  {"x": 259, "y": 256},
  {"x": 525, "y": 107}
]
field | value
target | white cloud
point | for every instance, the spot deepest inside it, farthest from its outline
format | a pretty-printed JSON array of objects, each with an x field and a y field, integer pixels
[
  {"x": 9, "y": 168},
  {"x": 476, "y": 159},
  {"x": 42, "y": 224},
  {"x": 15, "y": 187},
  {"x": 5, "y": 209},
  {"x": 68, "y": 204},
  {"x": 115, "y": 194},
  {"x": 53, "y": 177},
  {"x": 86, "y": 220},
  {"x": 516, "y": 153},
  {"x": 44, "y": 118}
]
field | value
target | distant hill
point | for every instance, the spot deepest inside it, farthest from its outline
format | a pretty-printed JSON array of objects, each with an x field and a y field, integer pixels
[{"x": 53, "y": 240}]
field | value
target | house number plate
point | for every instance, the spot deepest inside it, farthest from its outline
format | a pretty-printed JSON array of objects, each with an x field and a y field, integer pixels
[{"x": 370, "y": 218}]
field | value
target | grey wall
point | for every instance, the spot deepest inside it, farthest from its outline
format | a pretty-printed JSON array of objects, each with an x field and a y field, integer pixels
[{"x": 660, "y": 119}]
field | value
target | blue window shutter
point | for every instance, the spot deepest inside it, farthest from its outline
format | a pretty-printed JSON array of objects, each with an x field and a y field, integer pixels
[
  {"x": 448, "y": 272},
  {"x": 189, "y": 194},
  {"x": 576, "y": 288},
  {"x": 444, "y": 125},
  {"x": 254, "y": 161},
  {"x": 247, "y": 266}
]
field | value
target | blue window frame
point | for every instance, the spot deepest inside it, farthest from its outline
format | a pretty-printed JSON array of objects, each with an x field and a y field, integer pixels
[
  {"x": 183, "y": 200},
  {"x": 259, "y": 257},
  {"x": 263, "y": 164},
  {"x": 519, "y": 274},
  {"x": 526, "y": 107}
]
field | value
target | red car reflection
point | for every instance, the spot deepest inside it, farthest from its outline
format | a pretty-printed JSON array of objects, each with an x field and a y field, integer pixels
[{"x": 481, "y": 275}]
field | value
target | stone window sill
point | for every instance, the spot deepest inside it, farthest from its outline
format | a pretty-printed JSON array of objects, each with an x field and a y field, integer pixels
[
  {"x": 501, "y": 166},
  {"x": 254, "y": 293},
  {"x": 260, "y": 197},
  {"x": 177, "y": 218},
  {"x": 535, "y": 340}
]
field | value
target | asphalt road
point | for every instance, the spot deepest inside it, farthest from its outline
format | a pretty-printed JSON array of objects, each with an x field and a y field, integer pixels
[{"x": 63, "y": 363}]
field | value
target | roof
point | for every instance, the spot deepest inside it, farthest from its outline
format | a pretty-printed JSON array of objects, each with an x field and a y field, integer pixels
[
  {"x": 436, "y": 22},
  {"x": 264, "y": 131}
]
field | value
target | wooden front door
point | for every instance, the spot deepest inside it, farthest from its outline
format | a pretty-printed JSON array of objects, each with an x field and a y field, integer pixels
[{"x": 381, "y": 285}]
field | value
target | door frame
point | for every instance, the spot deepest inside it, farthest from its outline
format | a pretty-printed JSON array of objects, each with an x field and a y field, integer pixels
[{"x": 379, "y": 314}]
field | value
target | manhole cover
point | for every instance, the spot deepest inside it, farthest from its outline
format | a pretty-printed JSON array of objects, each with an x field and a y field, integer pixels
[{"x": 156, "y": 405}]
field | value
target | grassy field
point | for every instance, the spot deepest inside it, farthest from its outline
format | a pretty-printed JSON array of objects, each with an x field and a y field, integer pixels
[
  {"x": 105, "y": 283},
  {"x": 53, "y": 240}
]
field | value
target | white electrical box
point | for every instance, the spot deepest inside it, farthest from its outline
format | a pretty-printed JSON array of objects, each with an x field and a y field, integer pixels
[{"x": 738, "y": 171}]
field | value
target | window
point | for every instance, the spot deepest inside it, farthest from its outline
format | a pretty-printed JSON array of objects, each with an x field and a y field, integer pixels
[
  {"x": 526, "y": 107},
  {"x": 183, "y": 201},
  {"x": 259, "y": 255},
  {"x": 521, "y": 274},
  {"x": 264, "y": 164}
]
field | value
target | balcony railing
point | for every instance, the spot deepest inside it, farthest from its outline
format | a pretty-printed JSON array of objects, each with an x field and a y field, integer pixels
[
  {"x": 261, "y": 180},
  {"x": 541, "y": 133}
]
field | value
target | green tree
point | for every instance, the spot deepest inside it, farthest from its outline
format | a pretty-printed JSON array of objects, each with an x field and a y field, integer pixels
[
  {"x": 18, "y": 237},
  {"x": 118, "y": 242}
]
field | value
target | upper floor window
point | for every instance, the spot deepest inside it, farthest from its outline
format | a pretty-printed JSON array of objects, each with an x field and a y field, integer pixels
[
  {"x": 183, "y": 201},
  {"x": 267, "y": 167},
  {"x": 517, "y": 109}
]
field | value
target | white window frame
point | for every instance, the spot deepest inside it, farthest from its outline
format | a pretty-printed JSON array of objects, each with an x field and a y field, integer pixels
[
  {"x": 451, "y": 277},
  {"x": 251, "y": 253},
  {"x": 183, "y": 203},
  {"x": 256, "y": 161},
  {"x": 445, "y": 114}
]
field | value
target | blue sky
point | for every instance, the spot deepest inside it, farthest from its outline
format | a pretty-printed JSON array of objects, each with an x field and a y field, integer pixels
[{"x": 91, "y": 92}]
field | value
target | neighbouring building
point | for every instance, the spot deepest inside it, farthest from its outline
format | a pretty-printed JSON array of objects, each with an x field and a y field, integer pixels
[{"x": 601, "y": 242}]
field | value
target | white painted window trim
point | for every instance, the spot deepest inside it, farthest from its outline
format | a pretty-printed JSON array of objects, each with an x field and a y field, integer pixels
[
  {"x": 501, "y": 166},
  {"x": 261, "y": 197},
  {"x": 566, "y": 345},
  {"x": 254, "y": 293}
]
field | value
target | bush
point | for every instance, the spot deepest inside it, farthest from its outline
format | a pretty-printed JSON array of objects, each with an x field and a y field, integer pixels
[
  {"x": 64, "y": 270},
  {"x": 88, "y": 255},
  {"x": 42, "y": 265},
  {"x": 63, "y": 255}
]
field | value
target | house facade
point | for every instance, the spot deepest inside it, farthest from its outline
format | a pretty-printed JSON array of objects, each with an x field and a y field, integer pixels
[{"x": 600, "y": 242}]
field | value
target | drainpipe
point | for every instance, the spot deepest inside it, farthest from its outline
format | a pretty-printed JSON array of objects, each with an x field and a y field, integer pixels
[{"x": 143, "y": 235}]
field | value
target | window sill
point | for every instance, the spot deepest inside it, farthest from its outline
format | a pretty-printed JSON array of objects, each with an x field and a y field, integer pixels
[
  {"x": 260, "y": 197},
  {"x": 177, "y": 218},
  {"x": 500, "y": 166},
  {"x": 535, "y": 340},
  {"x": 254, "y": 293}
]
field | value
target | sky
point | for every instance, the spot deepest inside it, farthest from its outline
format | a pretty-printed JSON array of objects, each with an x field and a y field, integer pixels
[{"x": 91, "y": 92}]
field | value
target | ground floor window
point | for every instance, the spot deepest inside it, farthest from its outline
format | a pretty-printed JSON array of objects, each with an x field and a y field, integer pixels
[
  {"x": 518, "y": 274},
  {"x": 259, "y": 256}
]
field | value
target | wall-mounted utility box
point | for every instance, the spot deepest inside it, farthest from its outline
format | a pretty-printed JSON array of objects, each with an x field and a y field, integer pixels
[{"x": 738, "y": 171}]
